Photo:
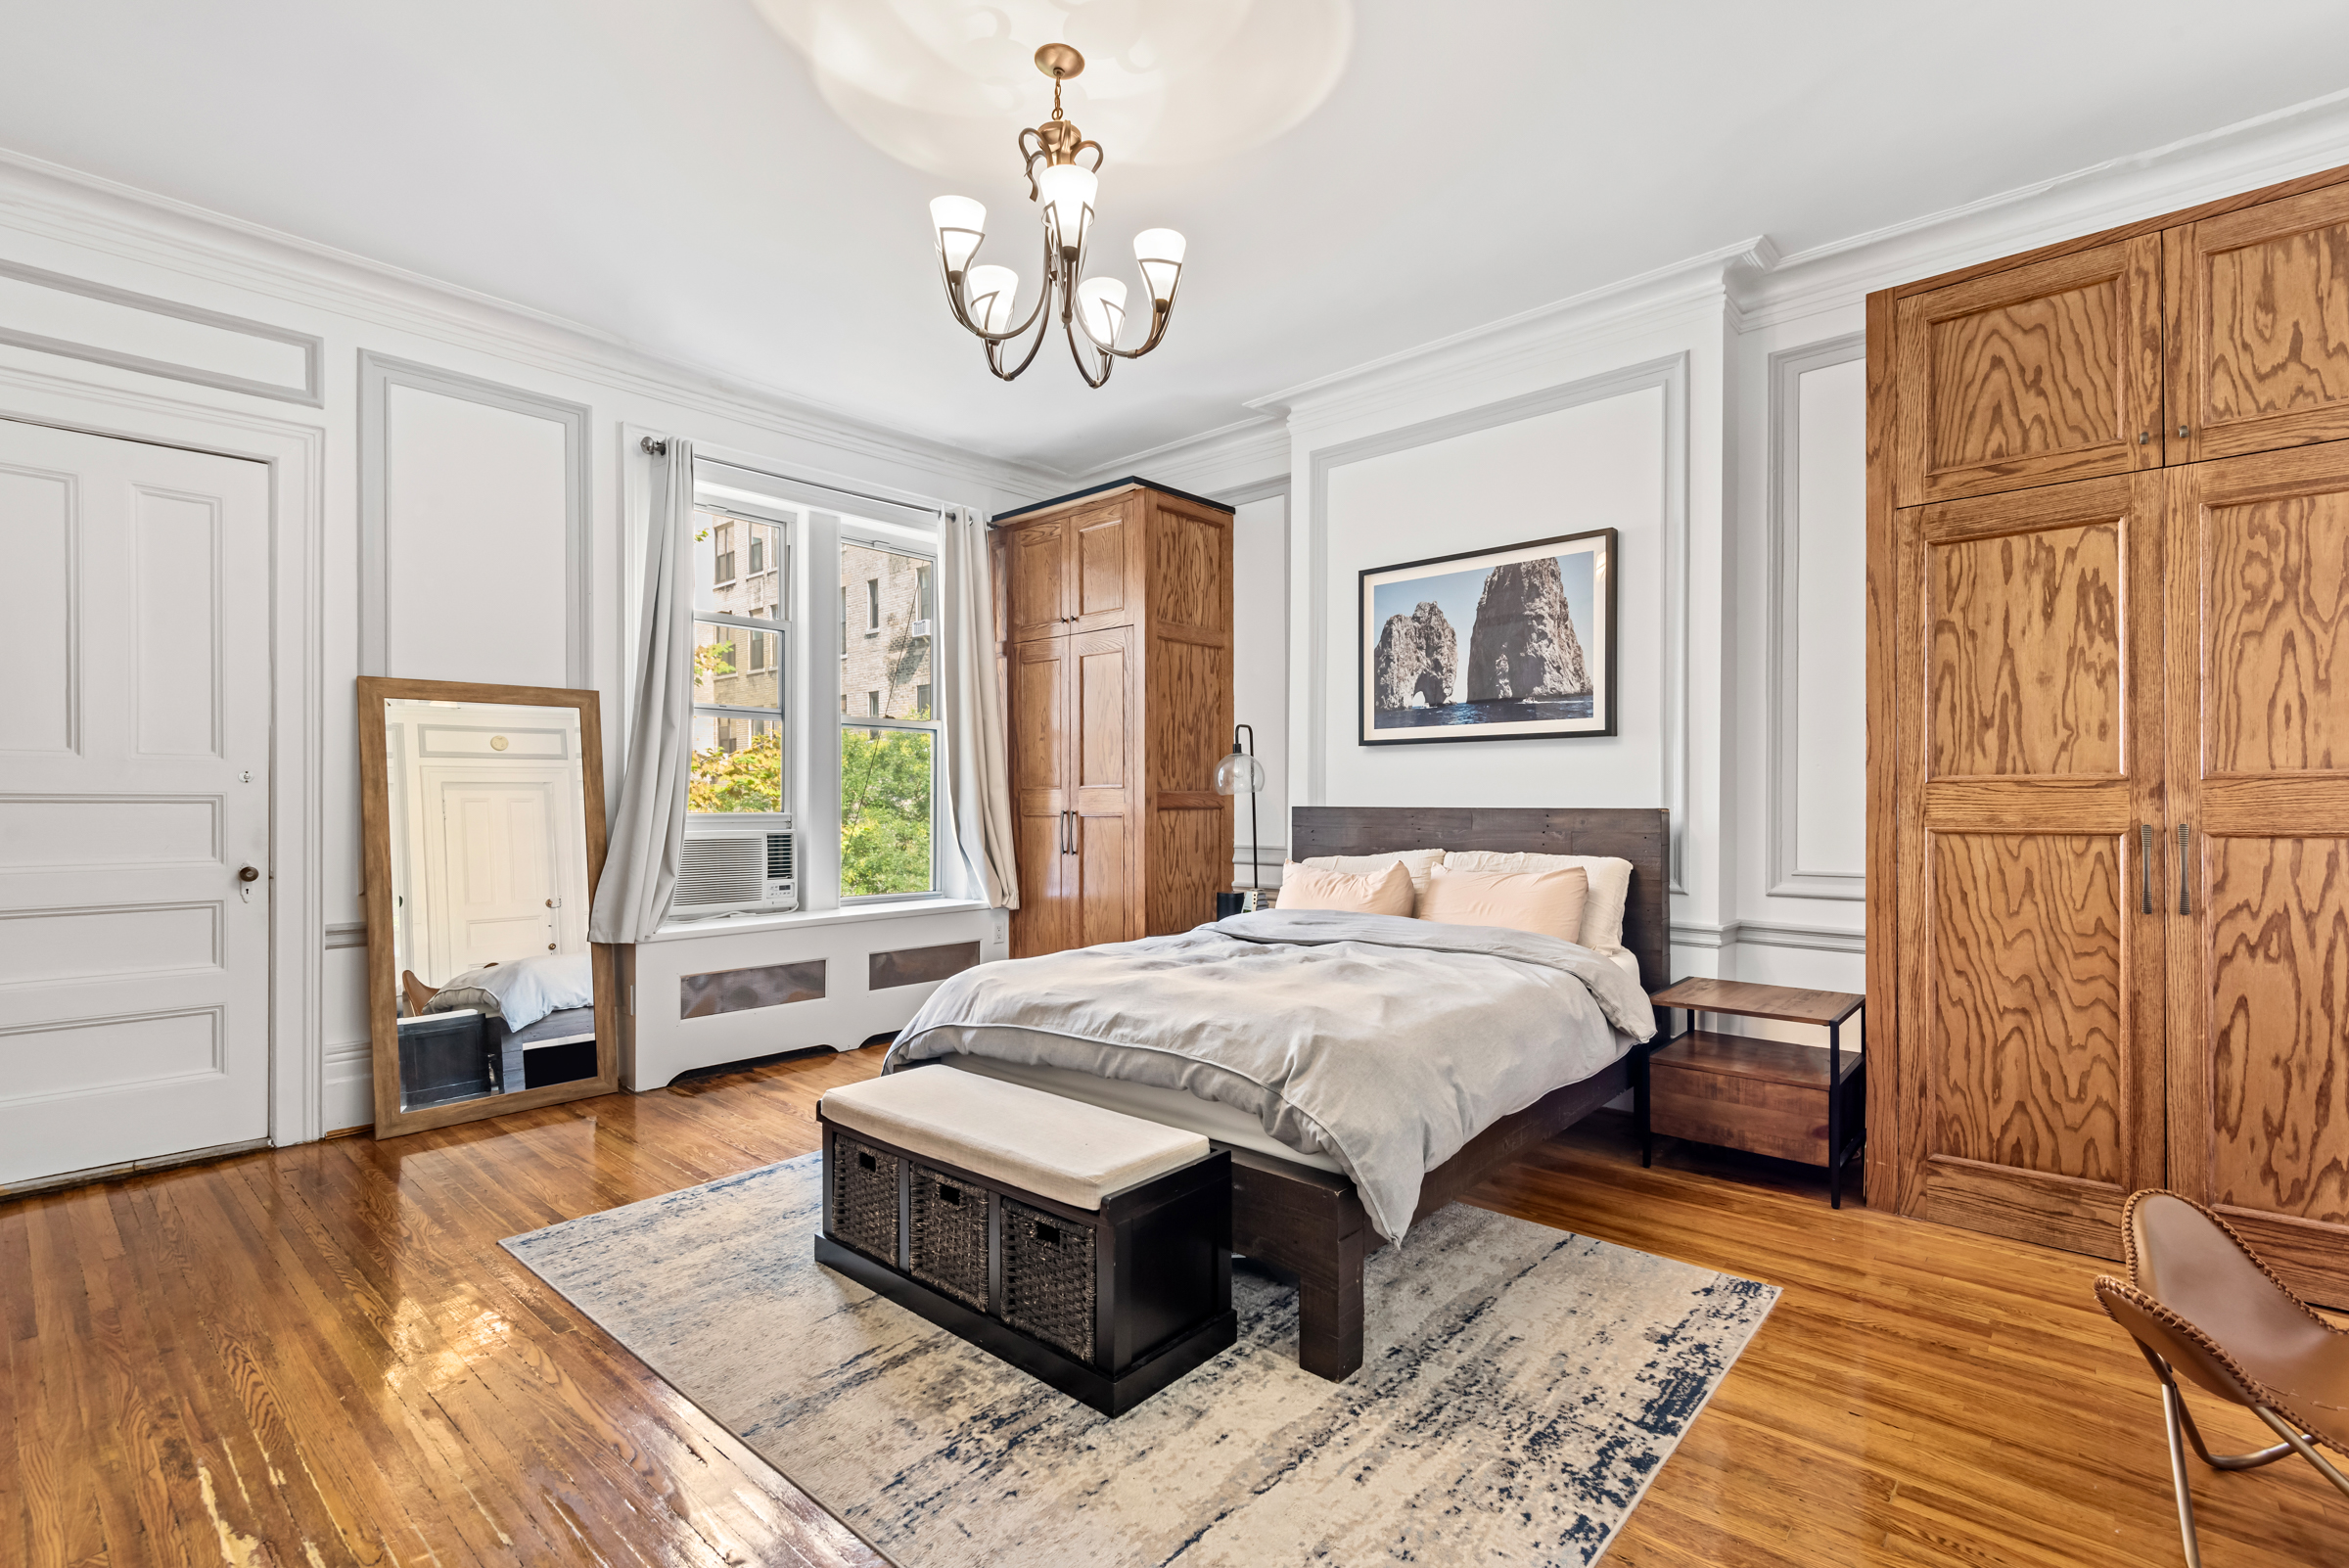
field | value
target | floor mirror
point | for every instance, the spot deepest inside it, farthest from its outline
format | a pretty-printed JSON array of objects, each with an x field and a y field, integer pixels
[{"x": 482, "y": 809}]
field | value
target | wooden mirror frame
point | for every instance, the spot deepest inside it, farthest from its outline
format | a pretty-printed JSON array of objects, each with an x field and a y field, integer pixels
[{"x": 375, "y": 835}]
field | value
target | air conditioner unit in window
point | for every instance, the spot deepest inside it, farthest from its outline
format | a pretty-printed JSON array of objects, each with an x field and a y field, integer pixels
[
  {"x": 920, "y": 628},
  {"x": 733, "y": 870}
]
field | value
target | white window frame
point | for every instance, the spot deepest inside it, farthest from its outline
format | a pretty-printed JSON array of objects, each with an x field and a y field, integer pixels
[{"x": 732, "y": 509}]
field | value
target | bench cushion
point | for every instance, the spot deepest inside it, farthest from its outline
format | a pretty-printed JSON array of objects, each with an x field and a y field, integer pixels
[{"x": 1036, "y": 1142}]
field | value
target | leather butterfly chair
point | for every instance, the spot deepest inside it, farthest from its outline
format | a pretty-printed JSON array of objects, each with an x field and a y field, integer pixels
[{"x": 2201, "y": 1304}]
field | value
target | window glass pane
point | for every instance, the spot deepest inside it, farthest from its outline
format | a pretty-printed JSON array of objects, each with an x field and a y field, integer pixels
[
  {"x": 735, "y": 666},
  {"x": 737, "y": 565},
  {"x": 737, "y": 763},
  {"x": 884, "y": 789},
  {"x": 879, "y": 651}
]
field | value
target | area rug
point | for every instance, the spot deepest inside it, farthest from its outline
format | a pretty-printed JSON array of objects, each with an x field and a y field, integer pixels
[{"x": 1520, "y": 1389}]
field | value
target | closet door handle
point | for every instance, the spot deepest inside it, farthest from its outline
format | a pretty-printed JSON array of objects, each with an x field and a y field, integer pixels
[
  {"x": 2145, "y": 867},
  {"x": 2186, "y": 902}
]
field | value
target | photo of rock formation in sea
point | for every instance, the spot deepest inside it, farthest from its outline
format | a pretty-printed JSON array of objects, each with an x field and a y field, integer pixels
[{"x": 1523, "y": 660}]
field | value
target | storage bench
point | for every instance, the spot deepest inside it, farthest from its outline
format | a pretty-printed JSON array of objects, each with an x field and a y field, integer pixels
[{"x": 1090, "y": 1248}]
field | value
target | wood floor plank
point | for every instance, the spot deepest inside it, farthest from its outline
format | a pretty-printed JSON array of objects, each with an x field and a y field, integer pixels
[{"x": 330, "y": 1338}]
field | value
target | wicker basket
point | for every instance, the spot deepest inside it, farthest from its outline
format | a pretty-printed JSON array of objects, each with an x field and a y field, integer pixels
[
  {"x": 1048, "y": 1279},
  {"x": 949, "y": 1237},
  {"x": 865, "y": 1199}
]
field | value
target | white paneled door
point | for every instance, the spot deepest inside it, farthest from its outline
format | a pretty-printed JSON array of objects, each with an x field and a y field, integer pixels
[{"x": 134, "y": 801}]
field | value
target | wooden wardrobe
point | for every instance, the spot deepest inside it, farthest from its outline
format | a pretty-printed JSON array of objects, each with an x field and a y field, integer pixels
[
  {"x": 2108, "y": 746},
  {"x": 1114, "y": 614}
]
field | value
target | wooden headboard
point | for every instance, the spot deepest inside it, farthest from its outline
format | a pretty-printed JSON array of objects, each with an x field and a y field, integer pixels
[{"x": 1642, "y": 835}]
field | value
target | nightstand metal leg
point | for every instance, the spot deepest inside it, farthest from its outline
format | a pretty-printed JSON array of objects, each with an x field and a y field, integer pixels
[
  {"x": 1834, "y": 1116},
  {"x": 1640, "y": 1110}
]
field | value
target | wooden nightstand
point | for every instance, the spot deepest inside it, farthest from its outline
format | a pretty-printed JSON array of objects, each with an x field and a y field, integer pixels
[{"x": 1765, "y": 1096}]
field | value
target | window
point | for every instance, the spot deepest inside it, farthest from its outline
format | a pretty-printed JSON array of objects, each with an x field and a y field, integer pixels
[
  {"x": 722, "y": 566},
  {"x": 889, "y": 748},
  {"x": 739, "y": 703}
]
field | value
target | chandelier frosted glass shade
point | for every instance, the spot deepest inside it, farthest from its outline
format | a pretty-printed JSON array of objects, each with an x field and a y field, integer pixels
[
  {"x": 993, "y": 292},
  {"x": 960, "y": 224},
  {"x": 1239, "y": 774},
  {"x": 1093, "y": 311}
]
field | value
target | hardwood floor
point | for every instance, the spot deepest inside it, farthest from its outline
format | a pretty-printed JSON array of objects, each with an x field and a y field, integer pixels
[{"x": 321, "y": 1355}]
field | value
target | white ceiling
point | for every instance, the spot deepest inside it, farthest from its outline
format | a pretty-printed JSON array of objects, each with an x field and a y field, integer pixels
[{"x": 667, "y": 172}]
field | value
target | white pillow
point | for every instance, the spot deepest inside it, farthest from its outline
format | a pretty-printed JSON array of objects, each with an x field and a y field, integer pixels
[
  {"x": 1416, "y": 862},
  {"x": 1610, "y": 887},
  {"x": 527, "y": 989}
]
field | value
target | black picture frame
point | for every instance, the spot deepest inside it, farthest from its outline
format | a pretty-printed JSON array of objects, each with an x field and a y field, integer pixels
[{"x": 1417, "y": 663}]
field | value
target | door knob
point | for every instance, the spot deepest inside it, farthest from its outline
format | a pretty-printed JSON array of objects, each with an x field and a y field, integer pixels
[{"x": 250, "y": 874}]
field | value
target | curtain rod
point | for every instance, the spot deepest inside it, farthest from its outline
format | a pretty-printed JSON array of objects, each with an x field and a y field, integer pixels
[{"x": 658, "y": 446}]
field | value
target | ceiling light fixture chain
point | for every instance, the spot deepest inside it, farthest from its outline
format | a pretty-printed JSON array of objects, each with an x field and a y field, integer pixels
[{"x": 983, "y": 298}]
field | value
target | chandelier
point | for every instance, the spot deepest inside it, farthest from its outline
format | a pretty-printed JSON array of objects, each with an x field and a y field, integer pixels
[{"x": 984, "y": 298}]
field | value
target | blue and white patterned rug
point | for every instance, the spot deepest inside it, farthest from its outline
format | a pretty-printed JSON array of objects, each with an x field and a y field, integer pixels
[{"x": 1521, "y": 1387}]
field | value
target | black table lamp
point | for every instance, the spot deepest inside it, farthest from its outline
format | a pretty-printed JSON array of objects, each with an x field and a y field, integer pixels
[{"x": 1241, "y": 773}]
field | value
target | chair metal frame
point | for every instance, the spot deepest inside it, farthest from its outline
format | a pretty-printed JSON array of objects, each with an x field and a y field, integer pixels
[{"x": 2180, "y": 1423}]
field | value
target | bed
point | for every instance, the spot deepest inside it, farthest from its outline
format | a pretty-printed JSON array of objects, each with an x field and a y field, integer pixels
[{"x": 1302, "y": 1213}]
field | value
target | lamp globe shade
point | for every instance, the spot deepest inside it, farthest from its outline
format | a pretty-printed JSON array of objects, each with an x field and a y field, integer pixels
[{"x": 1239, "y": 774}]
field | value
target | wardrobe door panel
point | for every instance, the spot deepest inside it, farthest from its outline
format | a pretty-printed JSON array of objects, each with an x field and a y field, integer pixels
[
  {"x": 2032, "y": 714},
  {"x": 1107, "y": 746},
  {"x": 1104, "y": 568},
  {"x": 2259, "y": 327},
  {"x": 2047, "y": 372},
  {"x": 1037, "y": 558},
  {"x": 2259, "y": 1041},
  {"x": 1037, "y": 719}
]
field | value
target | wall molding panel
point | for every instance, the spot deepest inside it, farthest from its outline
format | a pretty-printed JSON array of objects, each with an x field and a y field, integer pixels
[
  {"x": 1669, "y": 374},
  {"x": 1766, "y": 934},
  {"x": 117, "y": 313},
  {"x": 1788, "y": 876},
  {"x": 379, "y": 374}
]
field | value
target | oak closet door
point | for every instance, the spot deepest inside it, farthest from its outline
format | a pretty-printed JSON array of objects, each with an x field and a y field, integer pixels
[
  {"x": 1036, "y": 558},
  {"x": 2042, "y": 373},
  {"x": 1105, "y": 567},
  {"x": 1038, "y": 719},
  {"x": 2259, "y": 327},
  {"x": 2031, "y": 714},
  {"x": 1107, "y": 758},
  {"x": 2259, "y": 1044}
]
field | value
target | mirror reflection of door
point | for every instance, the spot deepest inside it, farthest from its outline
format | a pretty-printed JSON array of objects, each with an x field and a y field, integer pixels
[{"x": 486, "y": 823}]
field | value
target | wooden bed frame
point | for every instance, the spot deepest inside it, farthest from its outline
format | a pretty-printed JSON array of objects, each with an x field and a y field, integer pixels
[{"x": 1312, "y": 1223}]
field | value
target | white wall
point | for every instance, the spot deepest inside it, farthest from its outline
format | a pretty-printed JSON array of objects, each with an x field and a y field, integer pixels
[
  {"x": 1480, "y": 490},
  {"x": 1260, "y": 669},
  {"x": 473, "y": 510}
]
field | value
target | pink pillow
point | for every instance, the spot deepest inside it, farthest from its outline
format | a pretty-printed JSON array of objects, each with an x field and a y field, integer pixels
[
  {"x": 1548, "y": 902},
  {"x": 1309, "y": 887}
]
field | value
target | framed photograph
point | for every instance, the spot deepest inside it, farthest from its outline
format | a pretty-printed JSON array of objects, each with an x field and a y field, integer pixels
[{"x": 1510, "y": 644}]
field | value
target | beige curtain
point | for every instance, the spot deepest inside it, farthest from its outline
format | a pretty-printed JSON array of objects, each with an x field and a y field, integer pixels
[
  {"x": 978, "y": 776},
  {"x": 648, "y": 836}
]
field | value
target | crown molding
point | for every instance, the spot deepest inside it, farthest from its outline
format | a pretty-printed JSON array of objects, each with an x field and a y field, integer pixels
[
  {"x": 72, "y": 208},
  {"x": 1244, "y": 453},
  {"x": 2305, "y": 138},
  {"x": 1470, "y": 360}
]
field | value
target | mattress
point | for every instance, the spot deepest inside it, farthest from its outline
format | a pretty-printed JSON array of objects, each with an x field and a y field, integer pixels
[{"x": 1172, "y": 1107}]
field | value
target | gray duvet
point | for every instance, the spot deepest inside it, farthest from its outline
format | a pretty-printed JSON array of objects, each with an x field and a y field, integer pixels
[{"x": 1386, "y": 1043}]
